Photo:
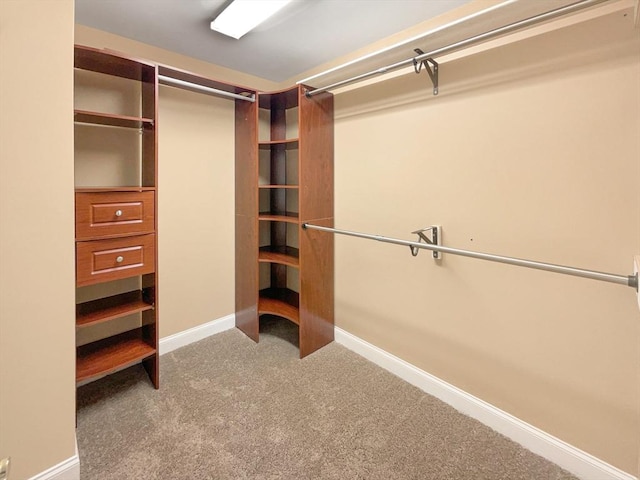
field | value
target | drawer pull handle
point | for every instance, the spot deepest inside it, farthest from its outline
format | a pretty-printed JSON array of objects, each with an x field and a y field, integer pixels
[
  {"x": 119, "y": 258},
  {"x": 118, "y": 213}
]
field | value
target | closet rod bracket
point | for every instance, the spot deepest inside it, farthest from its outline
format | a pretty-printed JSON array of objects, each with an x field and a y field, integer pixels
[
  {"x": 430, "y": 65},
  {"x": 436, "y": 239}
]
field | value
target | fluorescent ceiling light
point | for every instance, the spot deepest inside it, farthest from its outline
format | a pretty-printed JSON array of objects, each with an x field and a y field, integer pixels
[{"x": 243, "y": 15}]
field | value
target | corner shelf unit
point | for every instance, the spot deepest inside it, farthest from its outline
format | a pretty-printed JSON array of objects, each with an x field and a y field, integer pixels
[
  {"x": 116, "y": 233},
  {"x": 284, "y": 178}
]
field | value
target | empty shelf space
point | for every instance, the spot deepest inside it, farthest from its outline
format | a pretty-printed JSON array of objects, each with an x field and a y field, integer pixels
[
  {"x": 290, "y": 144},
  {"x": 111, "y": 354},
  {"x": 99, "y": 118},
  {"x": 284, "y": 255},
  {"x": 290, "y": 217},
  {"x": 110, "y": 308},
  {"x": 280, "y": 301}
]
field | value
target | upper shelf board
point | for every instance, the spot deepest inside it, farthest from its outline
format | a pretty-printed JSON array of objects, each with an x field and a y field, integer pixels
[{"x": 112, "y": 63}]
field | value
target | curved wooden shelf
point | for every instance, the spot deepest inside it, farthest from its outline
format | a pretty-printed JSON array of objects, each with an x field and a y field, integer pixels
[
  {"x": 287, "y": 98},
  {"x": 111, "y": 354},
  {"x": 283, "y": 255},
  {"x": 289, "y": 144},
  {"x": 289, "y": 217},
  {"x": 280, "y": 301}
]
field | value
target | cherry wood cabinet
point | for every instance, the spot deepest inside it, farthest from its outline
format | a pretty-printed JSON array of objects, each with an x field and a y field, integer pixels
[
  {"x": 116, "y": 230},
  {"x": 284, "y": 178}
]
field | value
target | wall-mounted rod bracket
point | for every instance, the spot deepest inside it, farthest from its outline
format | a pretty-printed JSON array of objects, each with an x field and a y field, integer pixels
[
  {"x": 436, "y": 239},
  {"x": 430, "y": 65}
]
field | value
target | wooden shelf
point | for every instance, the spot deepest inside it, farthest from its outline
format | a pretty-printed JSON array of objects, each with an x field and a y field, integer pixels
[
  {"x": 110, "y": 308},
  {"x": 99, "y": 118},
  {"x": 283, "y": 255},
  {"x": 293, "y": 187},
  {"x": 289, "y": 144},
  {"x": 280, "y": 301},
  {"x": 112, "y": 63},
  {"x": 289, "y": 217},
  {"x": 111, "y": 354},
  {"x": 114, "y": 189}
]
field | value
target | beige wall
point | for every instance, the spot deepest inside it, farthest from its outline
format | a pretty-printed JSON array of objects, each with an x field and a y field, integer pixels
[
  {"x": 531, "y": 150},
  {"x": 196, "y": 209},
  {"x": 37, "y": 363}
]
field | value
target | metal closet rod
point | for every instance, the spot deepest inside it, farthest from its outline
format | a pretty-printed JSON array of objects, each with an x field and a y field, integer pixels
[
  {"x": 628, "y": 280},
  {"x": 164, "y": 80},
  {"x": 462, "y": 44}
]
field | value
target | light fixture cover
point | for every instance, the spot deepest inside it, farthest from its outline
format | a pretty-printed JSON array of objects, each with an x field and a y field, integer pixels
[{"x": 243, "y": 15}]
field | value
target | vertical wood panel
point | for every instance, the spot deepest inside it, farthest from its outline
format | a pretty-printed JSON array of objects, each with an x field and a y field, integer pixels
[
  {"x": 149, "y": 94},
  {"x": 316, "y": 157},
  {"x": 246, "y": 158},
  {"x": 278, "y": 202},
  {"x": 246, "y": 219},
  {"x": 316, "y": 288},
  {"x": 316, "y": 204},
  {"x": 247, "y": 275}
]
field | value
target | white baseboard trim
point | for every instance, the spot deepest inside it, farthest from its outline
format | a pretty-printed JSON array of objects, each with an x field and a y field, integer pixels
[
  {"x": 572, "y": 459},
  {"x": 181, "y": 339},
  {"x": 67, "y": 470}
]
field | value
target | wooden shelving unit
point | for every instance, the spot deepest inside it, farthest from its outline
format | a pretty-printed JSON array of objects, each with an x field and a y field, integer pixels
[
  {"x": 284, "y": 177},
  {"x": 116, "y": 236}
]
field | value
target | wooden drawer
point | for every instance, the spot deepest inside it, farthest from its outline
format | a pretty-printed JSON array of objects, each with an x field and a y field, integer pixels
[
  {"x": 108, "y": 214},
  {"x": 104, "y": 260}
]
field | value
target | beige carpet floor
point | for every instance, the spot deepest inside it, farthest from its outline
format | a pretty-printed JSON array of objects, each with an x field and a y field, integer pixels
[{"x": 232, "y": 409}]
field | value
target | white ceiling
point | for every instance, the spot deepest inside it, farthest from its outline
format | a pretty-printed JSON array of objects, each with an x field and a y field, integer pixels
[{"x": 305, "y": 34}]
